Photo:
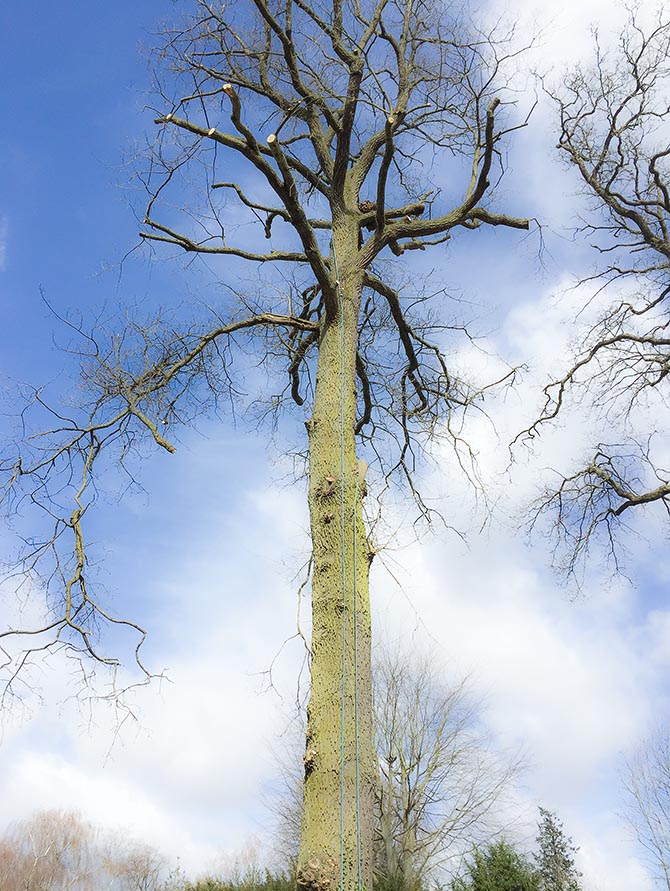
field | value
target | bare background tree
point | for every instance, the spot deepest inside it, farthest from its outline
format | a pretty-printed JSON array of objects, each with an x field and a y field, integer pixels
[
  {"x": 646, "y": 779},
  {"x": 443, "y": 784},
  {"x": 61, "y": 851},
  {"x": 250, "y": 867},
  {"x": 132, "y": 864},
  {"x": 615, "y": 131},
  {"x": 341, "y": 134},
  {"x": 52, "y": 851}
]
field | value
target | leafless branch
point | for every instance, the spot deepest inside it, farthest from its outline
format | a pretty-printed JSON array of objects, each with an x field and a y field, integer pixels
[{"x": 614, "y": 124}]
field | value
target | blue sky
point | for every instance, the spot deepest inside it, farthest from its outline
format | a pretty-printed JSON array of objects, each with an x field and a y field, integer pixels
[
  {"x": 208, "y": 558},
  {"x": 72, "y": 106}
]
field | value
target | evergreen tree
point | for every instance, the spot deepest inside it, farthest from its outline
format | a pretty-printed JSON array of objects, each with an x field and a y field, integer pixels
[
  {"x": 497, "y": 868},
  {"x": 555, "y": 860}
]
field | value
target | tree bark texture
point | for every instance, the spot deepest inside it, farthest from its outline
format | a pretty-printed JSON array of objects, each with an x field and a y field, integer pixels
[{"x": 337, "y": 827}]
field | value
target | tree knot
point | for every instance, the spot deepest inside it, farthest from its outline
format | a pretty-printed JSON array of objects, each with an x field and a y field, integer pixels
[{"x": 327, "y": 487}]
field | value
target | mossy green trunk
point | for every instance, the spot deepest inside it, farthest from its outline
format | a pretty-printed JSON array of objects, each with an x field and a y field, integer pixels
[{"x": 340, "y": 568}]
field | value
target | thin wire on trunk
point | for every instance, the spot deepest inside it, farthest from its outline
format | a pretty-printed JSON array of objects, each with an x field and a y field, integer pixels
[{"x": 358, "y": 785}]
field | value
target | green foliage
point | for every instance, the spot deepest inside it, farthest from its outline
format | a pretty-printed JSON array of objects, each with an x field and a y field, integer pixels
[
  {"x": 208, "y": 884},
  {"x": 497, "y": 868},
  {"x": 175, "y": 881},
  {"x": 250, "y": 881},
  {"x": 396, "y": 882},
  {"x": 555, "y": 860}
]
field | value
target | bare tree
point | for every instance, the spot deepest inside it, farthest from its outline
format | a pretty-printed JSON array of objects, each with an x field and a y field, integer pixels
[
  {"x": 51, "y": 851},
  {"x": 60, "y": 851},
  {"x": 646, "y": 781},
  {"x": 443, "y": 785},
  {"x": 324, "y": 126},
  {"x": 133, "y": 865},
  {"x": 614, "y": 131},
  {"x": 246, "y": 868}
]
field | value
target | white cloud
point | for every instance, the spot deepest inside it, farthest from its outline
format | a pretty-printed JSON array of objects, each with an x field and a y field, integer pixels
[
  {"x": 190, "y": 776},
  {"x": 562, "y": 32},
  {"x": 189, "y": 779},
  {"x": 45, "y": 780},
  {"x": 579, "y": 683},
  {"x": 550, "y": 666},
  {"x": 574, "y": 684},
  {"x": 607, "y": 858}
]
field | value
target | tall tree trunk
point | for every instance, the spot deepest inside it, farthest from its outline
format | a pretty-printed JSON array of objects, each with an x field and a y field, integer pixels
[{"x": 339, "y": 755}]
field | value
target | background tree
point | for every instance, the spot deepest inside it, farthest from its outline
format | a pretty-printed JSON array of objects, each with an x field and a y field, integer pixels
[
  {"x": 647, "y": 785},
  {"x": 266, "y": 880},
  {"x": 60, "y": 851},
  {"x": 497, "y": 867},
  {"x": 51, "y": 851},
  {"x": 341, "y": 116},
  {"x": 614, "y": 131},
  {"x": 134, "y": 865},
  {"x": 442, "y": 785},
  {"x": 555, "y": 856}
]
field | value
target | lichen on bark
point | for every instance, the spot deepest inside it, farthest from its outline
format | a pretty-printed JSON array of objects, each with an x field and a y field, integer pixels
[{"x": 340, "y": 707}]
